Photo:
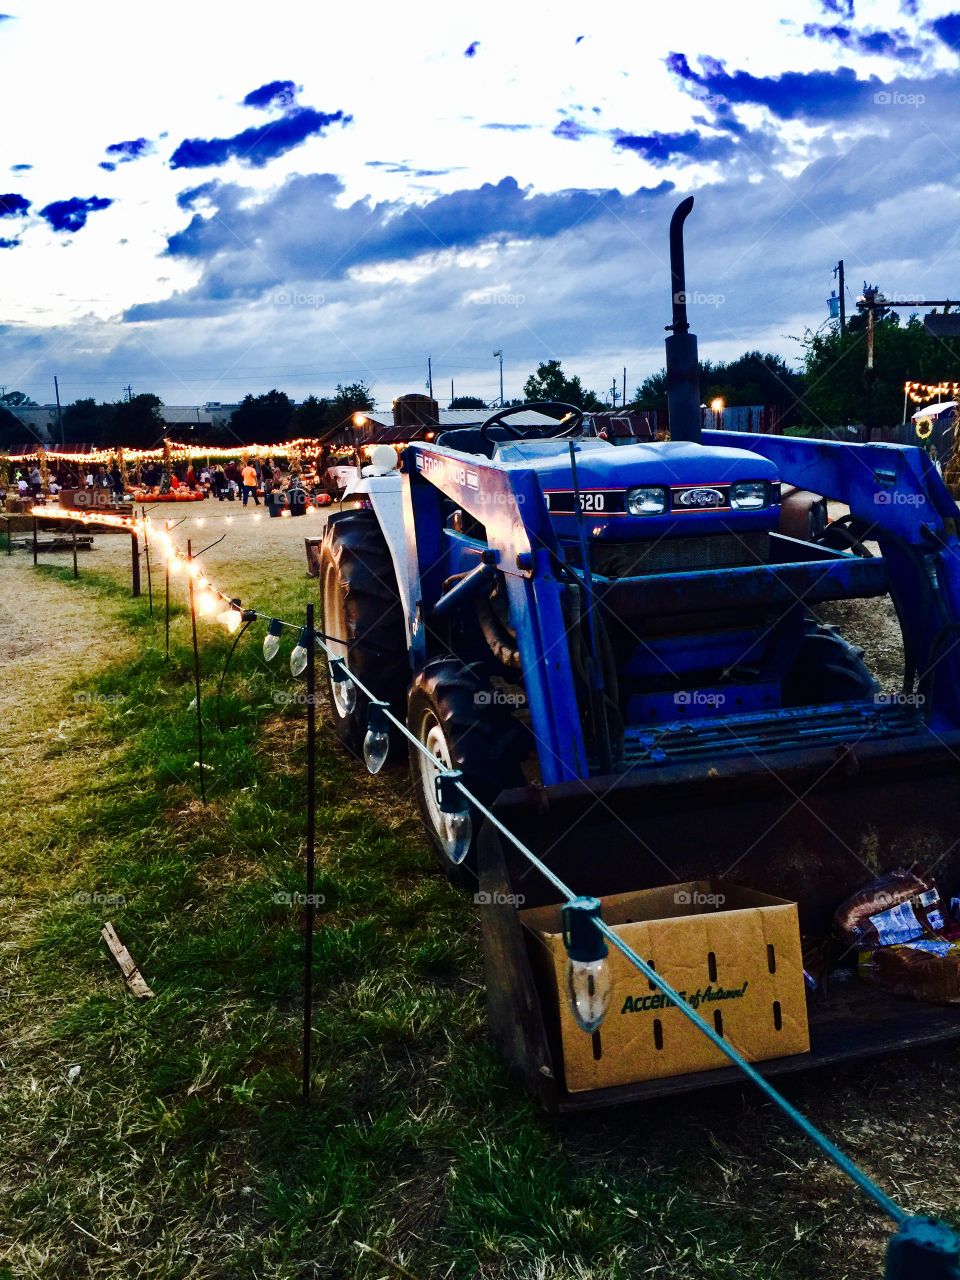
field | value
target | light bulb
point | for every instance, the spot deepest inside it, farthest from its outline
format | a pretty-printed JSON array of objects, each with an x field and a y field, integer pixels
[
  {"x": 343, "y": 689},
  {"x": 588, "y": 986},
  {"x": 232, "y": 617},
  {"x": 456, "y": 826},
  {"x": 298, "y": 656},
  {"x": 458, "y": 833},
  {"x": 207, "y": 604},
  {"x": 376, "y": 742},
  {"x": 588, "y": 975},
  {"x": 271, "y": 641}
]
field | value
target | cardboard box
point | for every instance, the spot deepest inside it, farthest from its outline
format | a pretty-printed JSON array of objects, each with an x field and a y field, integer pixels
[{"x": 732, "y": 953}]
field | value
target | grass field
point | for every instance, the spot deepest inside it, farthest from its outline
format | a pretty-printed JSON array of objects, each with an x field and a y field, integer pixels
[{"x": 180, "y": 1148}]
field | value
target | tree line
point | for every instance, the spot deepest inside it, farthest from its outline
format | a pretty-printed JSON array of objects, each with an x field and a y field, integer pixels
[{"x": 829, "y": 389}]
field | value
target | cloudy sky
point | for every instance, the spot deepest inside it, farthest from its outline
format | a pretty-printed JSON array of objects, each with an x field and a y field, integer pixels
[{"x": 206, "y": 199}]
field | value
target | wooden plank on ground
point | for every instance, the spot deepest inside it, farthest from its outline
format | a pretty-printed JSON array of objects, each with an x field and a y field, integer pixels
[{"x": 124, "y": 959}]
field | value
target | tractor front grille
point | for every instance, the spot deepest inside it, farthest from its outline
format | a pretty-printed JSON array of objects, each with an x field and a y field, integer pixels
[{"x": 673, "y": 555}]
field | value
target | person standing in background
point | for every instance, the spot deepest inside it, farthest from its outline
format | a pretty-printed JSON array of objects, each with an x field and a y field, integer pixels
[{"x": 249, "y": 478}]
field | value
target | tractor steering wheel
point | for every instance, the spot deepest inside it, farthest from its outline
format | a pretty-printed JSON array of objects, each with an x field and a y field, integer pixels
[{"x": 564, "y": 426}]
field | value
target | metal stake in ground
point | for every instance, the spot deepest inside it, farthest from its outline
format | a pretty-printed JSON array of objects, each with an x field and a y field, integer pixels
[
  {"x": 311, "y": 835},
  {"x": 135, "y": 563},
  {"x": 34, "y": 541},
  {"x": 196, "y": 674},
  {"x": 76, "y": 571},
  {"x": 146, "y": 552},
  {"x": 166, "y": 597}
]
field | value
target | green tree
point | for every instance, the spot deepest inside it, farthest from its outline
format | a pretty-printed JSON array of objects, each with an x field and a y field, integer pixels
[
  {"x": 551, "y": 383},
  {"x": 467, "y": 402},
  {"x": 835, "y": 364},
  {"x": 753, "y": 378},
  {"x": 311, "y": 417},
  {"x": 85, "y": 422},
  {"x": 264, "y": 419},
  {"x": 355, "y": 397},
  {"x": 134, "y": 423},
  {"x": 17, "y": 400}
]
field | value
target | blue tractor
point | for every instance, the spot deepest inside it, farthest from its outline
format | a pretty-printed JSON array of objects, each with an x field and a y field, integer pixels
[{"x": 622, "y": 648}]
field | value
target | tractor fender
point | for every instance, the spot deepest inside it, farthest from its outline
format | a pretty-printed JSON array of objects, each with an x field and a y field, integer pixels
[{"x": 384, "y": 494}]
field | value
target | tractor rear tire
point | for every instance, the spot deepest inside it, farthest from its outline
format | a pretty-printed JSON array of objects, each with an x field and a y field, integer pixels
[
  {"x": 827, "y": 669},
  {"x": 453, "y": 711},
  {"x": 361, "y": 605}
]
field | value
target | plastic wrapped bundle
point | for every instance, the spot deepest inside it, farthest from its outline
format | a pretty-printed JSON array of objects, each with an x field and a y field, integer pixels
[{"x": 895, "y": 909}]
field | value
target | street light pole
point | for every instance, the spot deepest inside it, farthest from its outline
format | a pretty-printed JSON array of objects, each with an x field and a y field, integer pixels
[{"x": 499, "y": 354}]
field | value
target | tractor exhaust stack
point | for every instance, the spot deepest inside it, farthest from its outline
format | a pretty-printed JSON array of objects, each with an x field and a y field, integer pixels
[{"x": 683, "y": 367}]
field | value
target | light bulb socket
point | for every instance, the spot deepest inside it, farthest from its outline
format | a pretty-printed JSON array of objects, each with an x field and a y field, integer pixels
[
  {"x": 304, "y": 640},
  {"x": 275, "y": 628},
  {"x": 582, "y": 939},
  {"x": 338, "y": 668},
  {"x": 377, "y": 721},
  {"x": 449, "y": 797}
]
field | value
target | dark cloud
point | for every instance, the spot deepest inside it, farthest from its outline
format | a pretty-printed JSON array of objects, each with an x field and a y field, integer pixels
[
  {"x": 71, "y": 215},
  {"x": 20, "y": 168},
  {"x": 258, "y": 145},
  {"x": 188, "y": 198},
  {"x": 887, "y": 44},
  {"x": 793, "y": 95},
  {"x": 572, "y": 130},
  {"x": 126, "y": 152},
  {"x": 278, "y": 93},
  {"x": 509, "y": 128},
  {"x": 13, "y": 205},
  {"x": 661, "y": 148},
  {"x": 393, "y": 166},
  {"x": 843, "y": 8},
  {"x": 947, "y": 29},
  {"x": 6, "y": 17},
  {"x": 341, "y": 238},
  {"x": 471, "y": 50},
  {"x": 8, "y": 244}
]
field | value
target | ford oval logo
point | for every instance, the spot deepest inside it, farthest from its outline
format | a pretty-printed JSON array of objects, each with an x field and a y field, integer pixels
[{"x": 700, "y": 498}]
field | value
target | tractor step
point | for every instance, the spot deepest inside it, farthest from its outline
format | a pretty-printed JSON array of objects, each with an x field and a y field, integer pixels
[{"x": 759, "y": 733}]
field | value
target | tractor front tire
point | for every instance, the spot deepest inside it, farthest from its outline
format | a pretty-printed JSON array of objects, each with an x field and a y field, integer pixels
[
  {"x": 827, "y": 669},
  {"x": 363, "y": 621},
  {"x": 453, "y": 712}
]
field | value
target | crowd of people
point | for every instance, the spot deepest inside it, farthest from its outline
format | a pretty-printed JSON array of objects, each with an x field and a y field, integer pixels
[{"x": 272, "y": 480}]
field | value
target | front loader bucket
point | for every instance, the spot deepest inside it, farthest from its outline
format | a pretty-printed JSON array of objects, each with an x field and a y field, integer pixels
[{"x": 811, "y": 826}]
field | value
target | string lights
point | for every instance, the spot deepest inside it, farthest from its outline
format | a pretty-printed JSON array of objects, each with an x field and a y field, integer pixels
[
  {"x": 922, "y": 392},
  {"x": 171, "y": 449}
]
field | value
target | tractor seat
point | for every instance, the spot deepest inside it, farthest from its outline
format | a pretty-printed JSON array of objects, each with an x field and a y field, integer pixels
[{"x": 469, "y": 440}]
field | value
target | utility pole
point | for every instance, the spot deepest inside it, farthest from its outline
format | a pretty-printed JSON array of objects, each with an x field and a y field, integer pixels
[
  {"x": 499, "y": 355},
  {"x": 129, "y": 390},
  {"x": 56, "y": 390},
  {"x": 452, "y": 396},
  {"x": 614, "y": 393},
  {"x": 838, "y": 276},
  {"x": 430, "y": 377},
  {"x": 624, "y": 401}
]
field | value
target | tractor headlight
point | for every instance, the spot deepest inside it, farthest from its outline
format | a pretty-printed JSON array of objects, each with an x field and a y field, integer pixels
[
  {"x": 648, "y": 501},
  {"x": 749, "y": 495}
]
